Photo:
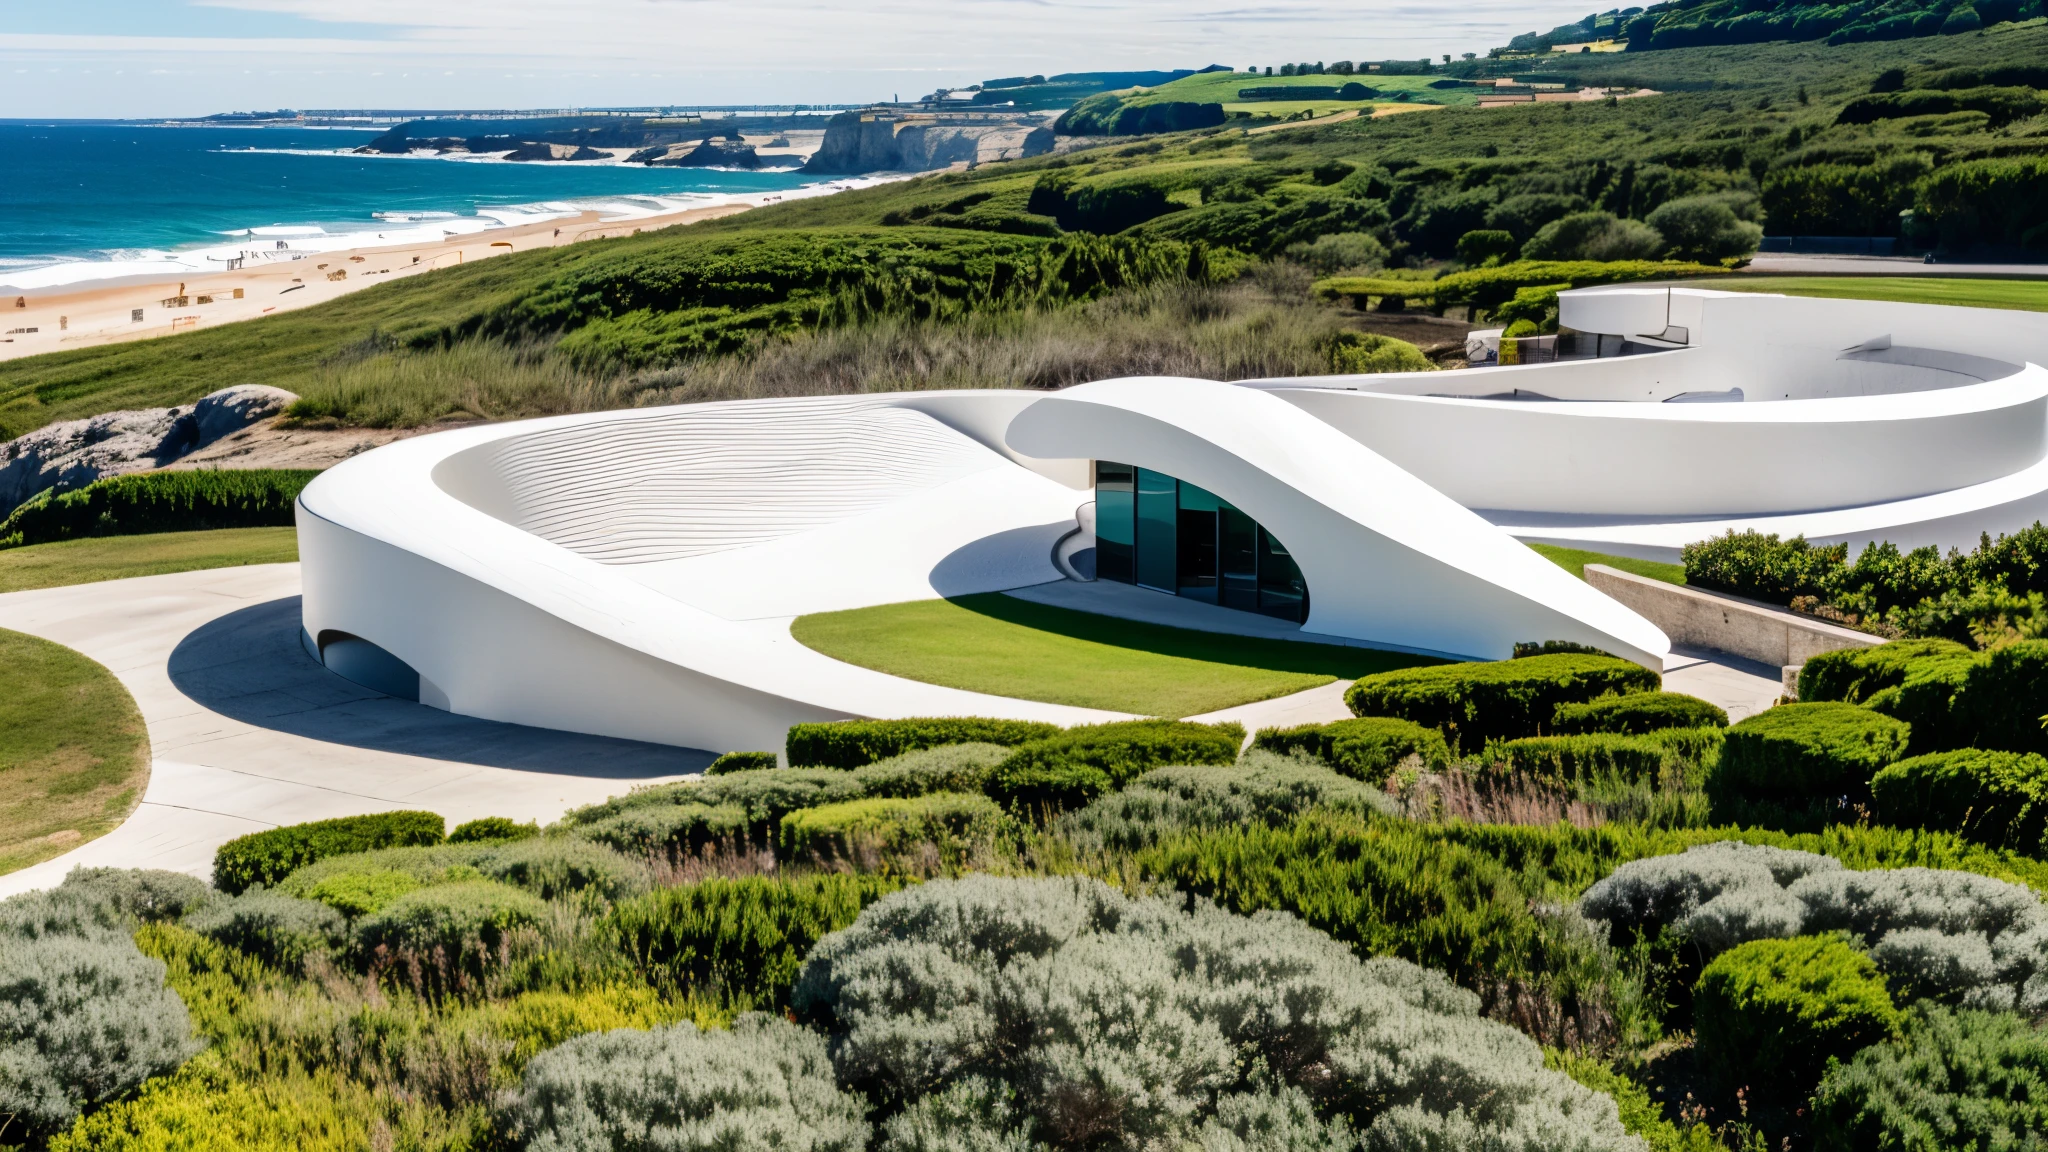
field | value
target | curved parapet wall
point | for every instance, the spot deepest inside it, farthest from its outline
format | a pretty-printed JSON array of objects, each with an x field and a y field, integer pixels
[{"x": 1387, "y": 559}]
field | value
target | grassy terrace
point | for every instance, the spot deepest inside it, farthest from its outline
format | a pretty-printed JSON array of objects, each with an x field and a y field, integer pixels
[
  {"x": 2021, "y": 295},
  {"x": 1574, "y": 561},
  {"x": 74, "y": 755},
  {"x": 99, "y": 558},
  {"x": 1008, "y": 647}
]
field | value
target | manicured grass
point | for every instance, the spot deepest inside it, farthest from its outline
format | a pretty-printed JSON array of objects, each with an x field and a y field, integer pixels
[
  {"x": 118, "y": 557},
  {"x": 74, "y": 755},
  {"x": 1574, "y": 561},
  {"x": 2021, "y": 295},
  {"x": 1009, "y": 647}
]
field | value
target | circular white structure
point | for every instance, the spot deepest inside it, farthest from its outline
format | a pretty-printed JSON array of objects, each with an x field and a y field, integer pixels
[{"x": 635, "y": 573}]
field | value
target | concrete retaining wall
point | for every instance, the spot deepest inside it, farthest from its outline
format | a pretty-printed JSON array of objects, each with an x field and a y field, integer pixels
[{"x": 1760, "y": 632}]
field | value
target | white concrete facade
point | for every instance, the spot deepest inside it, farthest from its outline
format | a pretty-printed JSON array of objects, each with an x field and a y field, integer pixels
[{"x": 634, "y": 574}]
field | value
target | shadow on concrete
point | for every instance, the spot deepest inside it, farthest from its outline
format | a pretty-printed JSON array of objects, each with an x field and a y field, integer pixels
[{"x": 249, "y": 666}]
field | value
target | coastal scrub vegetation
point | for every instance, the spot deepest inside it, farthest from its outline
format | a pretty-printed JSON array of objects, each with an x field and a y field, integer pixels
[
  {"x": 74, "y": 755},
  {"x": 980, "y": 933},
  {"x": 1189, "y": 252}
]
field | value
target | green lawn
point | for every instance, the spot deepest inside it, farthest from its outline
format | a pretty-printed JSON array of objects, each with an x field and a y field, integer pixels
[
  {"x": 118, "y": 557},
  {"x": 74, "y": 755},
  {"x": 2022, "y": 295},
  {"x": 1574, "y": 561},
  {"x": 1222, "y": 88},
  {"x": 1009, "y": 647}
]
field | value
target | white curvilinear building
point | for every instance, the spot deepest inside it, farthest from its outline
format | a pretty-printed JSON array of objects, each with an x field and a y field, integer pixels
[{"x": 635, "y": 573}]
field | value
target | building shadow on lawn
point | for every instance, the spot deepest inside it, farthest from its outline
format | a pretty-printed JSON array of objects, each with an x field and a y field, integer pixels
[
  {"x": 1342, "y": 662},
  {"x": 250, "y": 666}
]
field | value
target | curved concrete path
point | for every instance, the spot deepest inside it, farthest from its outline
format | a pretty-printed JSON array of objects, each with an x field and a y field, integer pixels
[{"x": 247, "y": 732}]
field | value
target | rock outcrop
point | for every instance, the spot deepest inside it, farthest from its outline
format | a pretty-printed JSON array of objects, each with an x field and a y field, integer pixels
[
  {"x": 716, "y": 152},
  {"x": 77, "y": 452},
  {"x": 885, "y": 140}
]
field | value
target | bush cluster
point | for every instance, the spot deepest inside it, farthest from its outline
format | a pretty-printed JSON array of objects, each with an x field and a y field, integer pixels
[
  {"x": 1072, "y": 767},
  {"x": 1954, "y": 1079},
  {"x": 267, "y": 857},
  {"x": 448, "y": 939},
  {"x": 937, "y": 830},
  {"x": 1366, "y": 749},
  {"x": 1771, "y": 1014},
  {"x": 1503, "y": 700},
  {"x": 275, "y": 927},
  {"x": 159, "y": 502},
  {"x": 1817, "y": 755},
  {"x": 852, "y": 743},
  {"x": 492, "y": 828},
  {"x": 742, "y": 762},
  {"x": 1263, "y": 788},
  {"x": 1565, "y": 760},
  {"x": 1995, "y": 798},
  {"x": 1637, "y": 713}
]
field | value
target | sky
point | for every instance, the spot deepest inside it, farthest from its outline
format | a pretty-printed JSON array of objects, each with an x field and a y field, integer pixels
[{"x": 149, "y": 58}]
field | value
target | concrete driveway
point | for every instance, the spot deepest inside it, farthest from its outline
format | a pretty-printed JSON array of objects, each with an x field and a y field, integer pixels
[{"x": 247, "y": 732}]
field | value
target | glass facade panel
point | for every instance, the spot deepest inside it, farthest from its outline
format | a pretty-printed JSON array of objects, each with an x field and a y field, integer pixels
[
  {"x": 1161, "y": 533},
  {"x": 1195, "y": 570},
  {"x": 1158, "y": 518},
  {"x": 1115, "y": 516}
]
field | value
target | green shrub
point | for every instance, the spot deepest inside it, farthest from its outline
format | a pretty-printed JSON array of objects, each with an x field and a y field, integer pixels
[
  {"x": 1854, "y": 675},
  {"x": 493, "y": 828},
  {"x": 1770, "y": 1014},
  {"x": 1500, "y": 700},
  {"x": 1638, "y": 713},
  {"x": 947, "y": 768},
  {"x": 146, "y": 895},
  {"x": 84, "y": 1016},
  {"x": 670, "y": 830},
  {"x": 562, "y": 868},
  {"x": 267, "y": 857},
  {"x": 1763, "y": 567},
  {"x": 355, "y": 894},
  {"x": 764, "y": 1086},
  {"x": 1264, "y": 788},
  {"x": 1365, "y": 749},
  {"x": 159, "y": 502},
  {"x": 1975, "y": 1080},
  {"x": 688, "y": 815},
  {"x": 553, "y": 868},
  {"x": 203, "y": 1106},
  {"x": 1809, "y": 751},
  {"x": 1125, "y": 749},
  {"x": 1061, "y": 1010},
  {"x": 1995, "y": 798},
  {"x": 446, "y": 940},
  {"x": 1564, "y": 760},
  {"x": 278, "y": 929},
  {"x": 742, "y": 762},
  {"x": 1041, "y": 791},
  {"x": 1640, "y": 1114},
  {"x": 2003, "y": 696},
  {"x": 917, "y": 834},
  {"x": 852, "y": 743},
  {"x": 742, "y": 940}
]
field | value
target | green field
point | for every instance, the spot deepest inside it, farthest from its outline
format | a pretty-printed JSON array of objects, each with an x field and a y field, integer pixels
[
  {"x": 1009, "y": 647},
  {"x": 1221, "y": 88},
  {"x": 1574, "y": 561},
  {"x": 74, "y": 755},
  {"x": 2021, "y": 295},
  {"x": 99, "y": 558}
]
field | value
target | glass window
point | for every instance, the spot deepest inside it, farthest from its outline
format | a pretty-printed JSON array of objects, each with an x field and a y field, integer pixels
[
  {"x": 1282, "y": 592},
  {"x": 1196, "y": 569},
  {"x": 1237, "y": 547},
  {"x": 1158, "y": 517},
  {"x": 1115, "y": 513}
]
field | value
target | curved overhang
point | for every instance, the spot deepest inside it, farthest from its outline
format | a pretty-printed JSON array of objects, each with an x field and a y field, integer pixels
[{"x": 1387, "y": 558}]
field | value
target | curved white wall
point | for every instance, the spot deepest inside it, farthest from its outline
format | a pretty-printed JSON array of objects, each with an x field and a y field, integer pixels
[{"x": 1387, "y": 559}]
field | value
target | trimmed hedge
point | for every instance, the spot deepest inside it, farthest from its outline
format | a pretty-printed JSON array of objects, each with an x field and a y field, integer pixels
[
  {"x": 1854, "y": 675},
  {"x": 1993, "y": 797},
  {"x": 1563, "y": 760},
  {"x": 742, "y": 762},
  {"x": 1809, "y": 750},
  {"x": 1124, "y": 750},
  {"x": 267, "y": 857},
  {"x": 853, "y": 743},
  {"x": 159, "y": 502},
  {"x": 1364, "y": 749},
  {"x": 1769, "y": 1015},
  {"x": 446, "y": 940},
  {"x": 670, "y": 829},
  {"x": 955, "y": 827},
  {"x": 2002, "y": 697},
  {"x": 1501, "y": 700},
  {"x": 744, "y": 938},
  {"x": 1046, "y": 790},
  {"x": 493, "y": 828},
  {"x": 1916, "y": 681},
  {"x": 1637, "y": 713}
]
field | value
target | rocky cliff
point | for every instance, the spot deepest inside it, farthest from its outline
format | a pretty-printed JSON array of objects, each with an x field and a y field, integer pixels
[
  {"x": 877, "y": 140},
  {"x": 77, "y": 452}
]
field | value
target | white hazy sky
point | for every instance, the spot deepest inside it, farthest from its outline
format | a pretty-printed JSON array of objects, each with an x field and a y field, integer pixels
[{"x": 119, "y": 58}]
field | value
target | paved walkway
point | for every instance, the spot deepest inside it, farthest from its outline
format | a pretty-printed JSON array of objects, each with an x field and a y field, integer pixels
[{"x": 248, "y": 732}]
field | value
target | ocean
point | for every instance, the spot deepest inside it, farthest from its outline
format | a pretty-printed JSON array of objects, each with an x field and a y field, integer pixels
[{"x": 85, "y": 201}]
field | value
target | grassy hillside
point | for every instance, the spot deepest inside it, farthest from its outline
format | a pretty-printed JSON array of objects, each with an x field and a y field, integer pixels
[{"x": 1029, "y": 273}]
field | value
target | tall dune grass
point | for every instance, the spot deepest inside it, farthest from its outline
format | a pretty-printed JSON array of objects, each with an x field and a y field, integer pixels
[{"x": 1240, "y": 331}]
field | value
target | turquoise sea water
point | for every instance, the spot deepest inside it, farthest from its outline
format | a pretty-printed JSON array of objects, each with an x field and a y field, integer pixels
[{"x": 95, "y": 192}]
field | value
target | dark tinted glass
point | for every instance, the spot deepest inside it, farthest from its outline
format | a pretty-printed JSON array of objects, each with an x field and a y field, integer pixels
[
  {"x": 1158, "y": 517},
  {"x": 1282, "y": 592},
  {"x": 1196, "y": 573},
  {"x": 1115, "y": 513},
  {"x": 1238, "y": 559}
]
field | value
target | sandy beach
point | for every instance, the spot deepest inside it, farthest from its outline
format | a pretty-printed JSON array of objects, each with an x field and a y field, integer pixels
[{"x": 107, "y": 311}]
